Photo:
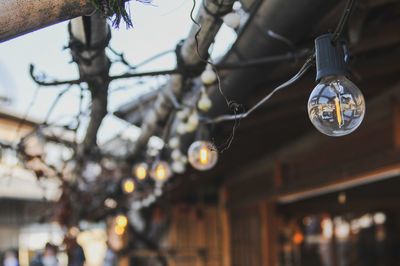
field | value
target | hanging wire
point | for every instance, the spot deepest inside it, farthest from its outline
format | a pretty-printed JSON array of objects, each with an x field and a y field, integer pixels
[
  {"x": 309, "y": 62},
  {"x": 343, "y": 20}
]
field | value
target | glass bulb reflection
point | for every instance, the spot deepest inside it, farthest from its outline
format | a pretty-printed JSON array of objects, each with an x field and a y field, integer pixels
[
  {"x": 203, "y": 155},
  {"x": 161, "y": 171},
  {"x": 336, "y": 106}
]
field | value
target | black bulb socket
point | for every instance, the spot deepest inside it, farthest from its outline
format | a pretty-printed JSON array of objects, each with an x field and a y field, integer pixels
[{"x": 330, "y": 57}]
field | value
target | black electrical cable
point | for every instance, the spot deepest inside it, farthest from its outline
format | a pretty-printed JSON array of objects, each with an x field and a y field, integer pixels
[{"x": 343, "y": 20}]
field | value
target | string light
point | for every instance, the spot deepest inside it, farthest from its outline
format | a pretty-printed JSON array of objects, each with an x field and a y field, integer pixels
[
  {"x": 208, "y": 76},
  {"x": 140, "y": 170},
  {"x": 232, "y": 20},
  {"x": 128, "y": 186},
  {"x": 336, "y": 106},
  {"x": 202, "y": 155},
  {"x": 161, "y": 171},
  {"x": 204, "y": 104},
  {"x": 119, "y": 230},
  {"x": 121, "y": 220}
]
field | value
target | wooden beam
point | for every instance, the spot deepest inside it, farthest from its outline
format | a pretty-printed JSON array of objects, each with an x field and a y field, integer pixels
[{"x": 18, "y": 17}]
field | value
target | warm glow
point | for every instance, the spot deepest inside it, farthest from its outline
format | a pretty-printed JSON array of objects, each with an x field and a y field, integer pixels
[
  {"x": 204, "y": 155},
  {"x": 122, "y": 221},
  {"x": 298, "y": 238},
  {"x": 338, "y": 111},
  {"x": 119, "y": 230},
  {"x": 141, "y": 172},
  {"x": 129, "y": 186},
  {"x": 160, "y": 172}
]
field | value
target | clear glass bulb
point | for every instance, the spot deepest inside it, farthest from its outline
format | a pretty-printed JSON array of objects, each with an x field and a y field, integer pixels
[
  {"x": 161, "y": 171},
  {"x": 336, "y": 106},
  {"x": 140, "y": 170},
  {"x": 203, "y": 155}
]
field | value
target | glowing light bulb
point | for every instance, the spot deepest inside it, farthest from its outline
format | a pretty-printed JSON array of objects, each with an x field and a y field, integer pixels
[
  {"x": 202, "y": 155},
  {"x": 140, "y": 171},
  {"x": 119, "y": 230},
  {"x": 336, "y": 106},
  {"x": 121, "y": 221},
  {"x": 128, "y": 186},
  {"x": 161, "y": 171}
]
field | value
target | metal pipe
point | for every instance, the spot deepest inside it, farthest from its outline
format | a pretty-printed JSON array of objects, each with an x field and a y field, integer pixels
[{"x": 18, "y": 17}]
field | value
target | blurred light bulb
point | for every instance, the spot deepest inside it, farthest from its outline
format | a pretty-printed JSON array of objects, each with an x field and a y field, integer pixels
[
  {"x": 128, "y": 185},
  {"x": 202, "y": 155},
  {"x": 110, "y": 203},
  {"x": 181, "y": 128},
  {"x": 121, "y": 220},
  {"x": 232, "y": 20},
  {"x": 208, "y": 76},
  {"x": 174, "y": 143},
  {"x": 182, "y": 114},
  {"x": 336, "y": 106},
  {"x": 178, "y": 167},
  {"x": 119, "y": 230},
  {"x": 140, "y": 171},
  {"x": 161, "y": 171},
  {"x": 176, "y": 155},
  {"x": 204, "y": 103}
]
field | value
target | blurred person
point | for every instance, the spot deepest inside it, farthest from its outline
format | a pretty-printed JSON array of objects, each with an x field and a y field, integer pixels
[
  {"x": 10, "y": 258},
  {"x": 47, "y": 258},
  {"x": 76, "y": 256}
]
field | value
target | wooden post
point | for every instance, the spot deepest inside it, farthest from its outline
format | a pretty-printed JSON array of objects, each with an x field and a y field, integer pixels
[
  {"x": 269, "y": 240},
  {"x": 225, "y": 228}
]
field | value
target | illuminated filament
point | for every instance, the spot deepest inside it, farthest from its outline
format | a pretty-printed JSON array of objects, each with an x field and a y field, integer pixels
[
  {"x": 203, "y": 155},
  {"x": 129, "y": 186},
  {"x": 338, "y": 112},
  {"x": 160, "y": 172},
  {"x": 141, "y": 172}
]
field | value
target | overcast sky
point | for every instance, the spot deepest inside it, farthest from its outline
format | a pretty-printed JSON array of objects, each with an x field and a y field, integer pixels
[{"x": 157, "y": 28}]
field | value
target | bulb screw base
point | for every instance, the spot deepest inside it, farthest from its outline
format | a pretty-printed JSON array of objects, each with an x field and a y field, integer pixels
[{"x": 330, "y": 57}]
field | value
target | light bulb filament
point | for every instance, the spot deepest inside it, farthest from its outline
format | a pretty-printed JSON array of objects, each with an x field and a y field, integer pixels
[
  {"x": 203, "y": 156},
  {"x": 338, "y": 112}
]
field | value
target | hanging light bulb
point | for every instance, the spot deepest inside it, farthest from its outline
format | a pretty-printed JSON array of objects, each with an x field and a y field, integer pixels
[
  {"x": 178, "y": 167},
  {"x": 121, "y": 220},
  {"x": 204, "y": 103},
  {"x": 336, "y": 106},
  {"x": 208, "y": 76},
  {"x": 128, "y": 186},
  {"x": 161, "y": 171},
  {"x": 193, "y": 121},
  {"x": 202, "y": 155},
  {"x": 232, "y": 20},
  {"x": 140, "y": 170},
  {"x": 174, "y": 143}
]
